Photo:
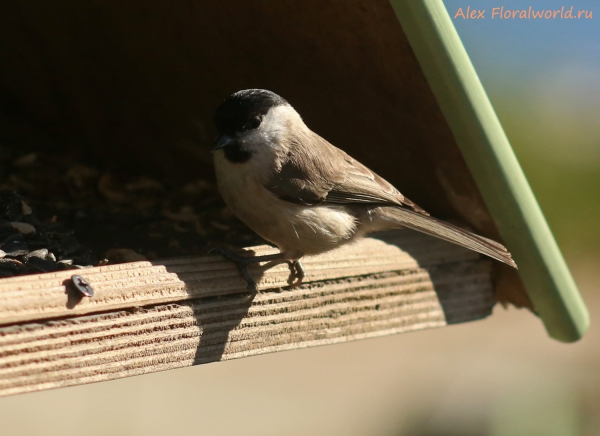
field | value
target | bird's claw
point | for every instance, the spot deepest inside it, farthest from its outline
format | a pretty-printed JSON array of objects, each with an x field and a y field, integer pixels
[
  {"x": 242, "y": 262},
  {"x": 296, "y": 272}
]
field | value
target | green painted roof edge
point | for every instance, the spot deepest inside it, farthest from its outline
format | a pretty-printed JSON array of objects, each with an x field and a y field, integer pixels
[{"x": 494, "y": 166}]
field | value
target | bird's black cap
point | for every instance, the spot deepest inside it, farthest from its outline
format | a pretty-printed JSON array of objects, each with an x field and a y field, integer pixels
[{"x": 239, "y": 108}]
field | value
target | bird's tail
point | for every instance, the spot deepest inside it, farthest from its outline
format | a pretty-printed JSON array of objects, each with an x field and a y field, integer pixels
[{"x": 448, "y": 232}]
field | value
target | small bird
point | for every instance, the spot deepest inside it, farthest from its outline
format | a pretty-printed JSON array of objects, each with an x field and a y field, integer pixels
[{"x": 304, "y": 195}]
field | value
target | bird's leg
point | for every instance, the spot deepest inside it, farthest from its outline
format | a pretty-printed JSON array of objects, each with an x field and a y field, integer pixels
[{"x": 242, "y": 262}]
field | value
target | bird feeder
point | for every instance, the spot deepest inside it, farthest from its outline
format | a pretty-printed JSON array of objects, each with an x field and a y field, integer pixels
[{"x": 135, "y": 84}]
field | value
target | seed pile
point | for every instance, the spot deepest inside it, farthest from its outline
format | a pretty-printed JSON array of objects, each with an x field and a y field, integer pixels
[
  {"x": 58, "y": 213},
  {"x": 28, "y": 245}
]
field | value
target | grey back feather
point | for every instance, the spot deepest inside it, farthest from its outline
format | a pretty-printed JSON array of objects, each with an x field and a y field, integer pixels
[{"x": 316, "y": 172}]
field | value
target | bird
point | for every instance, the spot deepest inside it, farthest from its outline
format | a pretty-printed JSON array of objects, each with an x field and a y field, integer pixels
[{"x": 303, "y": 194}]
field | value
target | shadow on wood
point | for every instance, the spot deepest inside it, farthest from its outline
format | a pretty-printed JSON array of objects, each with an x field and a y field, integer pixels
[
  {"x": 460, "y": 303},
  {"x": 148, "y": 317}
]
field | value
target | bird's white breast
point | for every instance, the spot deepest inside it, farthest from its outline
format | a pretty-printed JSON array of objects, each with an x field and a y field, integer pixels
[{"x": 292, "y": 227}]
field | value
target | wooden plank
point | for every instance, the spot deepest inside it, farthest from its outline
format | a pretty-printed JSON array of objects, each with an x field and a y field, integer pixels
[
  {"x": 371, "y": 289},
  {"x": 131, "y": 342},
  {"x": 137, "y": 284}
]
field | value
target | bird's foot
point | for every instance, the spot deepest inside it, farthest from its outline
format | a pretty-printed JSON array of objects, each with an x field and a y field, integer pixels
[
  {"x": 242, "y": 262},
  {"x": 296, "y": 273}
]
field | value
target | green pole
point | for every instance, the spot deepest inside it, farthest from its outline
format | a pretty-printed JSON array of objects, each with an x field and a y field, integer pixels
[{"x": 494, "y": 166}]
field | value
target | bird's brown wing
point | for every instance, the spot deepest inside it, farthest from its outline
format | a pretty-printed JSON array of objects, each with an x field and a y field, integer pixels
[
  {"x": 361, "y": 185},
  {"x": 324, "y": 174},
  {"x": 316, "y": 172}
]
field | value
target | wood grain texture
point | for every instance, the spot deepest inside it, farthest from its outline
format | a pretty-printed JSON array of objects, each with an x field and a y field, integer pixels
[
  {"x": 191, "y": 311},
  {"x": 137, "y": 284}
]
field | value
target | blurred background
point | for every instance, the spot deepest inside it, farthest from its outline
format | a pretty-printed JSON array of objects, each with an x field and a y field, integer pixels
[{"x": 500, "y": 376}]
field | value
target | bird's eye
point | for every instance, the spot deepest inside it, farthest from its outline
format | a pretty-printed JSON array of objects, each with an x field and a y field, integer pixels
[{"x": 253, "y": 123}]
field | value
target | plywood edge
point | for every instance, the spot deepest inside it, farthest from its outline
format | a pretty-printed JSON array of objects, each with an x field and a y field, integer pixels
[
  {"x": 137, "y": 340},
  {"x": 148, "y": 317}
]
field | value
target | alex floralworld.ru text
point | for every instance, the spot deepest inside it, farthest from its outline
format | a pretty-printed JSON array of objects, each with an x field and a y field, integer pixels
[{"x": 529, "y": 13}]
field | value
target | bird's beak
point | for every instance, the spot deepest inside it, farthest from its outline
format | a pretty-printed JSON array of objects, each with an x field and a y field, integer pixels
[{"x": 223, "y": 141}]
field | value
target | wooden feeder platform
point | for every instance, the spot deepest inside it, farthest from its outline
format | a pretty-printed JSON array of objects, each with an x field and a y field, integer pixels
[
  {"x": 134, "y": 84},
  {"x": 147, "y": 317}
]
